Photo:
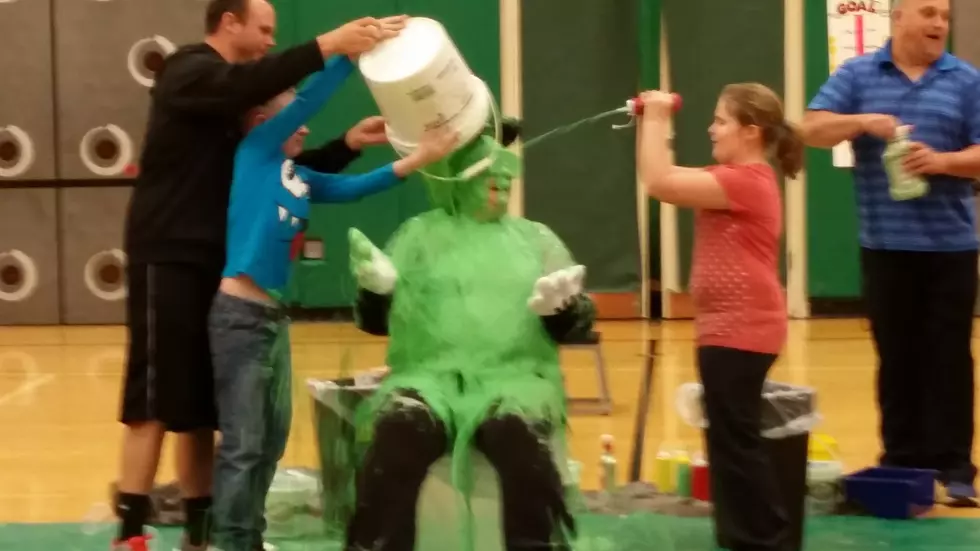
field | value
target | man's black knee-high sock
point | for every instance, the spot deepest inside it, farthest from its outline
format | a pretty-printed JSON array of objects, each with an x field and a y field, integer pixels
[
  {"x": 534, "y": 509},
  {"x": 198, "y": 524},
  {"x": 133, "y": 511}
]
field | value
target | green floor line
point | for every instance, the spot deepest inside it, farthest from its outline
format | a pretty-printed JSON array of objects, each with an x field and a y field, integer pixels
[{"x": 639, "y": 532}]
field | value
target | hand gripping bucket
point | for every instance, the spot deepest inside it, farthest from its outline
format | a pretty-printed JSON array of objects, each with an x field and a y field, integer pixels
[{"x": 420, "y": 81}]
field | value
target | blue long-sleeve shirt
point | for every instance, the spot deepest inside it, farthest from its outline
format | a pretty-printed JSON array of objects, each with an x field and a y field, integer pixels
[{"x": 270, "y": 195}]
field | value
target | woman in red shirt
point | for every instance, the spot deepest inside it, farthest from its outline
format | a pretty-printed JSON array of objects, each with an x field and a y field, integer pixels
[{"x": 739, "y": 300}]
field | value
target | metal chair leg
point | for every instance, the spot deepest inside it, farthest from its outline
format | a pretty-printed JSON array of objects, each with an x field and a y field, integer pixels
[
  {"x": 602, "y": 404},
  {"x": 605, "y": 399}
]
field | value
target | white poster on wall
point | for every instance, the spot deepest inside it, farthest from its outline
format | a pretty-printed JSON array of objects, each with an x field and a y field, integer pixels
[{"x": 854, "y": 28}]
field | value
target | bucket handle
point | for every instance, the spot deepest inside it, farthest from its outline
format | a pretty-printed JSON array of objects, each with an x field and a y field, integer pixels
[{"x": 485, "y": 163}]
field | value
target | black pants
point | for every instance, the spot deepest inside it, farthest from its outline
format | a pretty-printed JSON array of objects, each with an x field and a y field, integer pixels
[
  {"x": 169, "y": 374},
  {"x": 921, "y": 309},
  {"x": 743, "y": 485},
  {"x": 408, "y": 439}
]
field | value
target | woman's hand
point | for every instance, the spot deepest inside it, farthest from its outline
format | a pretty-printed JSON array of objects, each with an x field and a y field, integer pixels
[{"x": 657, "y": 104}]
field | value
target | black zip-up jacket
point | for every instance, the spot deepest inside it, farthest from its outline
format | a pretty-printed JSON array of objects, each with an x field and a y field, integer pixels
[{"x": 179, "y": 206}]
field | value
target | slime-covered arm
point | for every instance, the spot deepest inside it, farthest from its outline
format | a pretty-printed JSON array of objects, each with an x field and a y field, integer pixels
[
  {"x": 371, "y": 312},
  {"x": 376, "y": 277},
  {"x": 574, "y": 320}
]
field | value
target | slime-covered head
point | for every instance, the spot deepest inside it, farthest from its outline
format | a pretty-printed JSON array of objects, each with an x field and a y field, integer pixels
[{"x": 483, "y": 196}]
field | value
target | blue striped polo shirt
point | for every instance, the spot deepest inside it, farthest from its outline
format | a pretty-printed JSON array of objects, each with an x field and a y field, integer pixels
[{"x": 944, "y": 109}]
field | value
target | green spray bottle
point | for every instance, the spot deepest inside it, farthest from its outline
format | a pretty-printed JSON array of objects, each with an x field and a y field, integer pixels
[{"x": 902, "y": 185}]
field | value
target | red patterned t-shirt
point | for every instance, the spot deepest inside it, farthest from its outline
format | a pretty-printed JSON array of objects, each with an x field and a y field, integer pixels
[{"x": 735, "y": 283}]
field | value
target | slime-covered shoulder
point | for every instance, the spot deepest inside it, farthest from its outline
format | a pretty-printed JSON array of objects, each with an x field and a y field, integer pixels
[
  {"x": 554, "y": 254},
  {"x": 408, "y": 236}
]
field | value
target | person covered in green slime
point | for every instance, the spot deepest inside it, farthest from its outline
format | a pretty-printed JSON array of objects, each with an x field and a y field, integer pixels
[{"x": 476, "y": 303}]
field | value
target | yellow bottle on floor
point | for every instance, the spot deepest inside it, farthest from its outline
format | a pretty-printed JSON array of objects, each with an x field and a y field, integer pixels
[
  {"x": 823, "y": 447},
  {"x": 662, "y": 473}
]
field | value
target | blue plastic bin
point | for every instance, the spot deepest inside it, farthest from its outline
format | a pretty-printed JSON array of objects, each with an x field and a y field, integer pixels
[{"x": 891, "y": 493}]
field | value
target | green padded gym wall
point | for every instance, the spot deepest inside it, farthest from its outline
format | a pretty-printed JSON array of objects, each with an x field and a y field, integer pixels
[
  {"x": 713, "y": 43},
  {"x": 583, "y": 184},
  {"x": 832, "y": 234},
  {"x": 474, "y": 27}
]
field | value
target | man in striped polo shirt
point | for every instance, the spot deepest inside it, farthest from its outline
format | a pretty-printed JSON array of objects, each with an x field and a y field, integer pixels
[{"x": 918, "y": 256}]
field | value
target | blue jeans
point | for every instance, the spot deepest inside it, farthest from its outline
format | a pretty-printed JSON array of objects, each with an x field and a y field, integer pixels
[{"x": 250, "y": 349}]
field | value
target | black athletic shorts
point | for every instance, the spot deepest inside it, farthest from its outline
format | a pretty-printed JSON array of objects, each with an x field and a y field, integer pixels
[{"x": 169, "y": 376}]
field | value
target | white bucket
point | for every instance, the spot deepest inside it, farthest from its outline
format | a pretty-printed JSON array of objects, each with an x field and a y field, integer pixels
[{"x": 420, "y": 81}]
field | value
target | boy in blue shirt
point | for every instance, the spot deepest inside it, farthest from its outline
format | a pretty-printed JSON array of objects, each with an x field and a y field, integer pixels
[{"x": 268, "y": 211}]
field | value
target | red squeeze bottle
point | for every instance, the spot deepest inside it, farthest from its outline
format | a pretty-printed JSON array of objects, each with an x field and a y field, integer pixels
[
  {"x": 635, "y": 105},
  {"x": 700, "y": 481}
]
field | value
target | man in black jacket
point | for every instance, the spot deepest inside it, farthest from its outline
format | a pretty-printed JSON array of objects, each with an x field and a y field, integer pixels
[{"x": 175, "y": 237}]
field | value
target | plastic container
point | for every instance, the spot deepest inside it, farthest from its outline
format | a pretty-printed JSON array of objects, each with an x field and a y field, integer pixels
[
  {"x": 824, "y": 493},
  {"x": 902, "y": 185},
  {"x": 419, "y": 81},
  {"x": 292, "y": 508},
  {"x": 662, "y": 477},
  {"x": 823, "y": 447},
  {"x": 682, "y": 473},
  {"x": 700, "y": 481},
  {"x": 334, "y": 404},
  {"x": 891, "y": 493},
  {"x": 607, "y": 465}
]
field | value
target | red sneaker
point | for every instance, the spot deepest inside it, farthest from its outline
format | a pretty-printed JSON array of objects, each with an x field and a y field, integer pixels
[{"x": 138, "y": 543}]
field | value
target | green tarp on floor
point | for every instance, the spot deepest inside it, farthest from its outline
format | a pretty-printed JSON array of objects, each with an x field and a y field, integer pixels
[{"x": 633, "y": 533}]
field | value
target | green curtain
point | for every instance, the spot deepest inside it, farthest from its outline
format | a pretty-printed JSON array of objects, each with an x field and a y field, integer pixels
[
  {"x": 583, "y": 184},
  {"x": 712, "y": 44}
]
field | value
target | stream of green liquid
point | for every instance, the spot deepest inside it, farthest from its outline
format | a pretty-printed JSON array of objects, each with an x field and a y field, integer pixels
[{"x": 565, "y": 129}]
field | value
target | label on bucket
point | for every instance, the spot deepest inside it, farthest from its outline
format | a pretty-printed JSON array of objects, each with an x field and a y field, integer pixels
[
  {"x": 453, "y": 97},
  {"x": 422, "y": 93}
]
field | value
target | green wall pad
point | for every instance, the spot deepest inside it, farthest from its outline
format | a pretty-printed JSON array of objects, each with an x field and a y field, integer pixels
[
  {"x": 583, "y": 184},
  {"x": 712, "y": 44},
  {"x": 603, "y": 533}
]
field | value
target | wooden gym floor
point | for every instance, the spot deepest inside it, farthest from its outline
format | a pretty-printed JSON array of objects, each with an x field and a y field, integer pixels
[{"x": 59, "y": 388}]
